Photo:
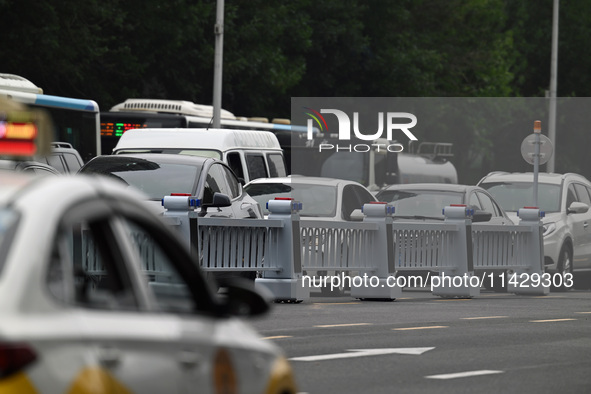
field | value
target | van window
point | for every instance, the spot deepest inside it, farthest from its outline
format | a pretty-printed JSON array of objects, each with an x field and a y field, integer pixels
[
  {"x": 233, "y": 159},
  {"x": 276, "y": 165},
  {"x": 256, "y": 166}
]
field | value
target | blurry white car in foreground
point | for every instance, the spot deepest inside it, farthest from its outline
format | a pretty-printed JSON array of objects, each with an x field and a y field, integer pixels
[{"x": 82, "y": 311}]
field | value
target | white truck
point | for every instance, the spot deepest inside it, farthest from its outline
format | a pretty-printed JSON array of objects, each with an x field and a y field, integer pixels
[{"x": 376, "y": 167}]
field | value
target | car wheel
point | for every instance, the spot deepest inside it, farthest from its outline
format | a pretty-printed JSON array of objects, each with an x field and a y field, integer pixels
[{"x": 565, "y": 266}]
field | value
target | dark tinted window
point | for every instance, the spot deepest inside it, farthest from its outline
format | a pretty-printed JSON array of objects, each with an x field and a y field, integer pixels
[
  {"x": 256, "y": 166},
  {"x": 235, "y": 164},
  {"x": 156, "y": 179},
  {"x": 276, "y": 165}
]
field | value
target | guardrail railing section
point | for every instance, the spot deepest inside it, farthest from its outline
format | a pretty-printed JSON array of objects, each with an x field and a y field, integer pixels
[
  {"x": 334, "y": 247},
  {"x": 423, "y": 247},
  {"x": 498, "y": 248},
  {"x": 225, "y": 245}
]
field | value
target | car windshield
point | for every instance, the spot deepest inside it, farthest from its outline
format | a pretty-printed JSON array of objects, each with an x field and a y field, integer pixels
[
  {"x": 8, "y": 221},
  {"x": 512, "y": 196},
  {"x": 317, "y": 200},
  {"x": 154, "y": 179},
  {"x": 420, "y": 203}
]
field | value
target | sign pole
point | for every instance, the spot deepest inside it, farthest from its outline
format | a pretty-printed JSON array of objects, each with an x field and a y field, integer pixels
[{"x": 537, "y": 132}]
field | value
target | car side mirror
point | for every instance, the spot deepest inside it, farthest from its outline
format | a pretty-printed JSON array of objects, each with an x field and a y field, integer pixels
[
  {"x": 238, "y": 297},
  {"x": 220, "y": 200},
  {"x": 578, "y": 207},
  {"x": 357, "y": 215},
  {"x": 481, "y": 216}
]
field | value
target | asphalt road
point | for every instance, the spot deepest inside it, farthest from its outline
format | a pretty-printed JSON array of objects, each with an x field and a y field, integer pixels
[{"x": 495, "y": 343}]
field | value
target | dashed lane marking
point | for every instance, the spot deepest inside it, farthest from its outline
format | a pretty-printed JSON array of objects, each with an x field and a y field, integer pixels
[
  {"x": 418, "y": 328},
  {"x": 464, "y": 374},
  {"x": 343, "y": 325},
  {"x": 550, "y": 320}
]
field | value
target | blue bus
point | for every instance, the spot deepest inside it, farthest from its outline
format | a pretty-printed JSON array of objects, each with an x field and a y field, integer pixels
[{"x": 76, "y": 121}]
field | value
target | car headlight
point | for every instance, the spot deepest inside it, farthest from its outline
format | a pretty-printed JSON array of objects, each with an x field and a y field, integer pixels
[
  {"x": 281, "y": 380},
  {"x": 549, "y": 228}
]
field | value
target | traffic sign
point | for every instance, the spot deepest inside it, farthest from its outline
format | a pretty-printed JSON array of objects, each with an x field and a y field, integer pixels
[{"x": 528, "y": 148}]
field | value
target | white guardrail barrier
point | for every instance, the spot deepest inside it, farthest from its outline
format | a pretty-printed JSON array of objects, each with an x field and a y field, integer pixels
[
  {"x": 283, "y": 249},
  {"x": 456, "y": 254}
]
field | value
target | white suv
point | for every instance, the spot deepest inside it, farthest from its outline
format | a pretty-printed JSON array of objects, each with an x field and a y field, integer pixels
[{"x": 565, "y": 199}]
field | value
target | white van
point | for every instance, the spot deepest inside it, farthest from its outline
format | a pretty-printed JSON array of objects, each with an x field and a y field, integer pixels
[{"x": 251, "y": 154}]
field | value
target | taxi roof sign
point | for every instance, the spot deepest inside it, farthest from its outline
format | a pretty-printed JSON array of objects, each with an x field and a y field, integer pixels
[{"x": 24, "y": 132}]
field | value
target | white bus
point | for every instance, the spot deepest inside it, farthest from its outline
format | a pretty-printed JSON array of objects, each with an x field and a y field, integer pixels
[
  {"x": 153, "y": 113},
  {"x": 75, "y": 121}
]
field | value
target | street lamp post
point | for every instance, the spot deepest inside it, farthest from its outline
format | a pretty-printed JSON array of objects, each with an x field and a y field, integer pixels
[
  {"x": 553, "y": 83},
  {"x": 218, "y": 62}
]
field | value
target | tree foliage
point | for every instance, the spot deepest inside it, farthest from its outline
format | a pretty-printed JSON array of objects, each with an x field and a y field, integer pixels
[{"x": 110, "y": 50}]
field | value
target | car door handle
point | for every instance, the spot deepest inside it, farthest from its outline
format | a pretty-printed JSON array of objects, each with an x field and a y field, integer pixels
[
  {"x": 109, "y": 356},
  {"x": 188, "y": 359},
  {"x": 585, "y": 224}
]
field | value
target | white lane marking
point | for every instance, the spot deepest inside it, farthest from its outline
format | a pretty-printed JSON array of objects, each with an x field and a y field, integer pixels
[
  {"x": 363, "y": 353},
  {"x": 550, "y": 320},
  {"x": 418, "y": 328},
  {"x": 344, "y": 325},
  {"x": 463, "y": 374},
  {"x": 278, "y": 337},
  {"x": 484, "y": 317}
]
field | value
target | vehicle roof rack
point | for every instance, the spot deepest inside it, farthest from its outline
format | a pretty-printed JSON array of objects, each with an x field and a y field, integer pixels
[{"x": 434, "y": 150}]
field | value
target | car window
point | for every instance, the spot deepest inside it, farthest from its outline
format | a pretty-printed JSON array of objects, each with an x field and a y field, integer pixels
[
  {"x": 233, "y": 184},
  {"x": 221, "y": 180},
  {"x": 318, "y": 200},
  {"x": 72, "y": 162},
  {"x": 155, "y": 179},
  {"x": 354, "y": 197},
  {"x": 56, "y": 162},
  {"x": 474, "y": 202},
  {"x": 420, "y": 202},
  {"x": 233, "y": 159},
  {"x": 86, "y": 266},
  {"x": 8, "y": 223},
  {"x": 570, "y": 195},
  {"x": 276, "y": 165},
  {"x": 487, "y": 203},
  {"x": 255, "y": 164},
  {"x": 582, "y": 193}
]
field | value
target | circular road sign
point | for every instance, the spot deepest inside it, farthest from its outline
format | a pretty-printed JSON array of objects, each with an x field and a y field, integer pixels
[{"x": 528, "y": 148}]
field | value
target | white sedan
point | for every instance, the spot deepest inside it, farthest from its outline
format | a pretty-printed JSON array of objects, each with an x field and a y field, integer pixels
[{"x": 82, "y": 311}]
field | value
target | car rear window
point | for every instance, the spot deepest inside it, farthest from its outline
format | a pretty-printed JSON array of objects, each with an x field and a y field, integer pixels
[
  {"x": 427, "y": 203},
  {"x": 8, "y": 223},
  {"x": 318, "y": 200},
  {"x": 156, "y": 180}
]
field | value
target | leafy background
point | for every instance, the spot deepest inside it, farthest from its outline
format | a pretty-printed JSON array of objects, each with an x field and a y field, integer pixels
[{"x": 110, "y": 50}]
